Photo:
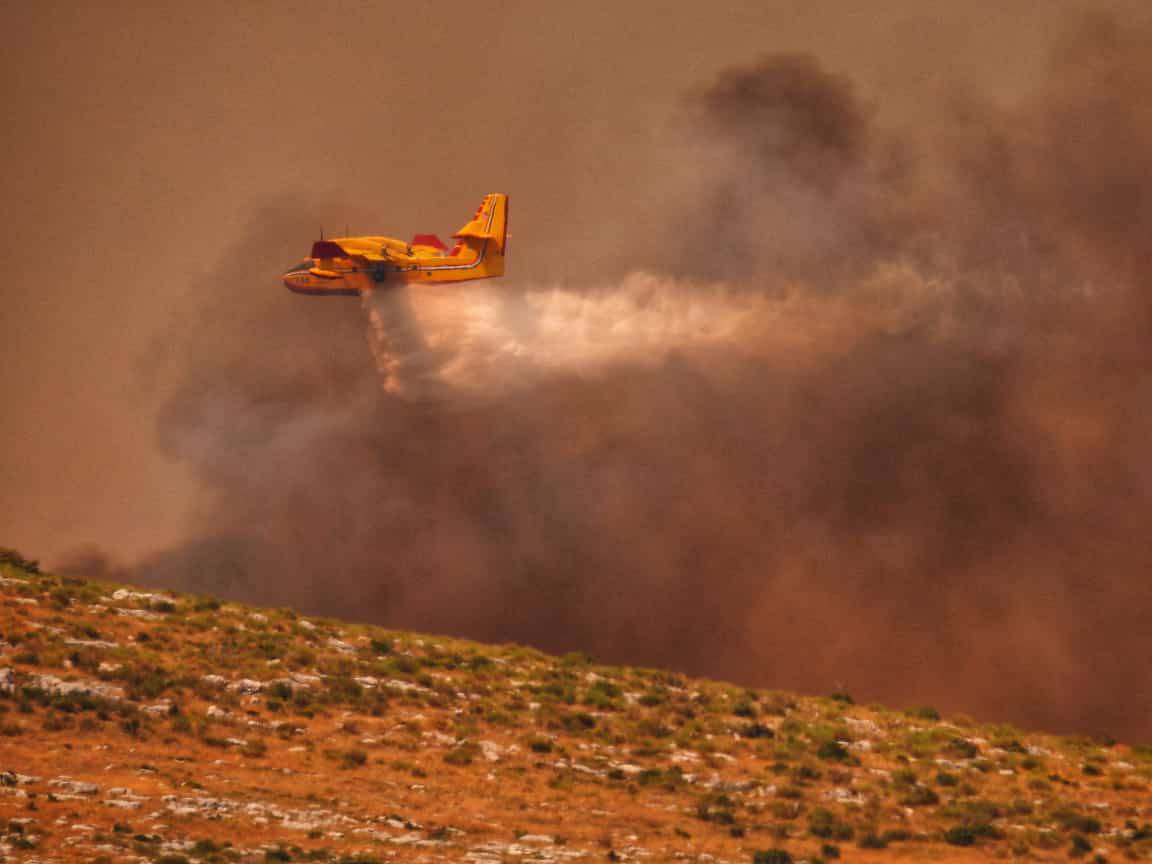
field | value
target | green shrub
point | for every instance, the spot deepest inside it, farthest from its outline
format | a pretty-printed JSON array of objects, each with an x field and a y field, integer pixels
[
  {"x": 744, "y": 709},
  {"x": 968, "y": 833},
  {"x": 579, "y": 722},
  {"x": 353, "y": 758},
  {"x": 205, "y": 603},
  {"x": 1080, "y": 846},
  {"x": 919, "y": 796},
  {"x": 55, "y": 723},
  {"x": 833, "y": 751},
  {"x": 963, "y": 748},
  {"x": 15, "y": 559},
  {"x": 716, "y": 808},
  {"x": 650, "y": 728},
  {"x": 771, "y": 856},
  {"x": 757, "y": 730},
  {"x": 603, "y": 695},
  {"x": 977, "y": 810},
  {"x": 1012, "y": 745},
  {"x": 143, "y": 681},
  {"x": 786, "y": 810},
  {"x": 905, "y": 777},
  {"x": 281, "y": 690},
  {"x": 961, "y": 835},
  {"x": 1070, "y": 820},
  {"x": 670, "y": 779},
  {"x": 804, "y": 773},
  {"x": 462, "y": 755},
  {"x": 825, "y": 824}
]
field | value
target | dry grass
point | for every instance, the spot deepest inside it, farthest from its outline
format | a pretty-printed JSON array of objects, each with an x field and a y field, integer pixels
[{"x": 158, "y": 727}]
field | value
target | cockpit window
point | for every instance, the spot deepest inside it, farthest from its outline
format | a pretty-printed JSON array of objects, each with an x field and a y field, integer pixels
[{"x": 306, "y": 264}]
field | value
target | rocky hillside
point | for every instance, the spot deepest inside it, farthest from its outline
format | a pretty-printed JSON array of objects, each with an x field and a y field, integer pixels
[{"x": 151, "y": 727}]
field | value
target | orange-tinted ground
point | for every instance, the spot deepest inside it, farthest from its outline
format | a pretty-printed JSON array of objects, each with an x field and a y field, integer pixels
[{"x": 142, "y": 726}]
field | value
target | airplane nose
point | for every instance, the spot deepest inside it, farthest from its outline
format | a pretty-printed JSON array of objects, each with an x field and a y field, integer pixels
[
  {"x": 320, "y": 284},
  {"x": 296, "y": 280}
]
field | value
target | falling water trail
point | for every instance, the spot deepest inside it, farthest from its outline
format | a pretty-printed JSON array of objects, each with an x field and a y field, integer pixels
[
  {"x": 406, "y": 365},
  {"x": 483, "y": 339}
]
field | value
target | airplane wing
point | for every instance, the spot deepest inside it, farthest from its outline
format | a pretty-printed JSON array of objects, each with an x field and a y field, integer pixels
[{"x": 349, "y": 247}]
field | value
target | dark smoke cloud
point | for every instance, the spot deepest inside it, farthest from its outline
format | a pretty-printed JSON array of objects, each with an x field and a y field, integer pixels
[
  {"x": 92, "y": 562},
  {"x": 788, "y": 113},
  {"x": 922, "y": 473}
]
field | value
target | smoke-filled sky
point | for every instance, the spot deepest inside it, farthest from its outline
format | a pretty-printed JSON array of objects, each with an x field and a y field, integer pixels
[{"x": 821, "y": 361}]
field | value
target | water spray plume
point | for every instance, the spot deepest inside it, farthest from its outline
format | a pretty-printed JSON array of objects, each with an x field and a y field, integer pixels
[{"x": 484, "y": 341}]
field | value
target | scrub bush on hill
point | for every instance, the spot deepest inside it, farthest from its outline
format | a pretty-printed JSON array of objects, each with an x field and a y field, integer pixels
[
  {"x": 1070, "y": 820},
  {"x": 872, "y": 840},
  {"x": 924, "y": 712},
  {"x": 716, "y": 808},
  {"x": 962, "y": 748},
  {"x": 969, "y": 834},
  {"x": 919, "y": 796},
  {"x": 14, "y": 559},
  {"x": 825, "y": 824},
  {"x": 833, "y": 751},
  {"x": 757, "y": 730}
]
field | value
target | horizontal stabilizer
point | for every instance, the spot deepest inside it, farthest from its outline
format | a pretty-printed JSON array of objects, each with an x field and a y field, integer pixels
[{"x": 429, "y": 240}]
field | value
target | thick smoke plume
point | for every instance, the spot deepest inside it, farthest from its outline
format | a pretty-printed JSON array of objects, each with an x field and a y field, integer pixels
[{"x": 877, "y": 415}]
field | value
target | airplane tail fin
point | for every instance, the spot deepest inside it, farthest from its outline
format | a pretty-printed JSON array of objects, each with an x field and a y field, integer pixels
[{"x": 486, "y": 234}]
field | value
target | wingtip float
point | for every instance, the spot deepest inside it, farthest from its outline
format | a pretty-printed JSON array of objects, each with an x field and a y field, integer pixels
[{"x": 355, "y": 265}]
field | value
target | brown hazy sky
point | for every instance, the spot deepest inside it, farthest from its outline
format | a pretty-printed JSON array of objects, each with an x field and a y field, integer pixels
[{"x": 140, "y": 139}]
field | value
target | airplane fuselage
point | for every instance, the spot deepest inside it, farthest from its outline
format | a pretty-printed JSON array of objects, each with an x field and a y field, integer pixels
[
  {"x": 349, "y": 266},
  {"x": 345, "y": 274}
]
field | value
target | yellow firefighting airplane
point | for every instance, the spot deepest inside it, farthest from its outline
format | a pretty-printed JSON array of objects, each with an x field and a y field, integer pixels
[{"x": 353, "y": 265}]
